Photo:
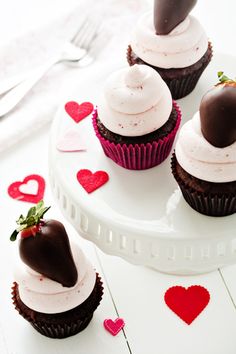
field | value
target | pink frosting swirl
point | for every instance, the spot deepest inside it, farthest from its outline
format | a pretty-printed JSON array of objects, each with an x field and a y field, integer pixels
[
  {"x": 182, "y": 47},
  {"x": 136, "y": 101},
  {"x": 48, "y": 296}
]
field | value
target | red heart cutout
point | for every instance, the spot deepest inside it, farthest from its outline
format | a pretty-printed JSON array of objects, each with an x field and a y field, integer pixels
[
  {"x": 114, "y": 327},
  {"x": 78, "y": 111},
  {"x": 187, "y": 303},
  {"x": 15, "y": 193},
  {"x": 92, "y": 181}
]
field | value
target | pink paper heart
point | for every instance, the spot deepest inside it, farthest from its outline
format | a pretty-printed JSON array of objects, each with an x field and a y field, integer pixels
[
  {"x": 78, "y": 111},
  {"x": 72, "y": 141},
  {"x": 114, "y": 327}
]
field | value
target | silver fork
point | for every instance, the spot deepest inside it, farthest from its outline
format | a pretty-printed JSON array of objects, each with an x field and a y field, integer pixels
[{"x": 77, "y": 49}]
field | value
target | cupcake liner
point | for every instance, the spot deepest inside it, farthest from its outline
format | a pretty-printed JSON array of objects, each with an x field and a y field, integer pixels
[
  {"x": 212, "y": 204},
  {"x": 180, "y": 82},
  {"x": 61, "y": 331},
  {"x": 138, "y": 156},
  {"x": 55, "y": 326}
]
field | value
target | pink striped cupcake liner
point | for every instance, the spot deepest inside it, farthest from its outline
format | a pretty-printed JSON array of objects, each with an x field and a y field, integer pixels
[{"x": 139, "y": 156}]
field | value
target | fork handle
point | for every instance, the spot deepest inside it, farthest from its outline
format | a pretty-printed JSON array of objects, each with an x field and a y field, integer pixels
[
  {"x": 13, "y": 97},
  {"x": 7, "y": 84}
]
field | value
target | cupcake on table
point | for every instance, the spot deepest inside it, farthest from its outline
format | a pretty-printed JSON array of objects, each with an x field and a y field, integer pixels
[
  {"x": 56, "y": 288},
  {"x": 204, "y": 163},
  {"x": 175, "y": 44},
  {"x": 136, "y": 120}
]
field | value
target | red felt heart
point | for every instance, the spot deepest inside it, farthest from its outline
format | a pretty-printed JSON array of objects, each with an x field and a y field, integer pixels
[
  {"x": 91, "y": 181},
  {"x": 187, "y": 303},
  {"x": 15, "y": 192},
  {"x": 114, "y": 327},
  {"x": 78, "y": 111}
]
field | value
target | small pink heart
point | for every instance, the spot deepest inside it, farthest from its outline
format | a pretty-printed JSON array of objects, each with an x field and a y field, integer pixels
[
  {"x": 72, "y": 141},
  {"x": 114, "y": 327},
  {"x": 17, "y": 190},
  {"x": 78, "y": 111},
  {"x": 92, "y": 181}
]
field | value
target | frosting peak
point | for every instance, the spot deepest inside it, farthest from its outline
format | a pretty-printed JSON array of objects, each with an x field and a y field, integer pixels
[
  {"x": 135, "y": 77},
  {"x": 136, "y": 101}
]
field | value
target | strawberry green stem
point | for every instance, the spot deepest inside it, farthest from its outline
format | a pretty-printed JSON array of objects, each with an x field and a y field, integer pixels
[
  {"x": 223, "y": 78},
  {"x": 33, "y": 218}
]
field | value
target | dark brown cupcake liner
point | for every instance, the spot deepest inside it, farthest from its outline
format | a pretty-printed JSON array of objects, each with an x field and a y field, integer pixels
[
  {"x": 139, "y": 156},
  {"x": 63, "y": 324},
  {"x": 212, "y": 204},
  {"x": 180, "y": 81}
]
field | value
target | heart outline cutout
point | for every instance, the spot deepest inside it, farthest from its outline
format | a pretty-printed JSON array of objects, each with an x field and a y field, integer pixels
[
  {"x": 113, "y": 327},
  {"x": 92, "y": 181},
  {"x": 78, "y": 111},
  {"x": 187, "y": 303},
  {"x": 15, "y": 193}
]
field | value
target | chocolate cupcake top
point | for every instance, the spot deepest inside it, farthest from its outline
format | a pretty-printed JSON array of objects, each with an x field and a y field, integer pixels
[
  {"x": 178, "y": 40},
  {"x": 136, "y": 101},
  {"x": 206, "y": 147},
  {"x": 53, "y": 277}
]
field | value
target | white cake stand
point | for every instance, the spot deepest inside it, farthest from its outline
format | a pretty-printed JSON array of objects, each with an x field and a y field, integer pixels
[{"x": 140, "y": 216}]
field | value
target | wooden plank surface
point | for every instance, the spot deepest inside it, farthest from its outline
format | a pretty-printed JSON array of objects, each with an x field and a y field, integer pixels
[
  {"x": 229, "y": 277},
  {"x": 150, "y": 325}
]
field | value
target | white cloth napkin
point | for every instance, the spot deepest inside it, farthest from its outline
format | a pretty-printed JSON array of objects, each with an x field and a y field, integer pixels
[{"x": 35, "y": 47}]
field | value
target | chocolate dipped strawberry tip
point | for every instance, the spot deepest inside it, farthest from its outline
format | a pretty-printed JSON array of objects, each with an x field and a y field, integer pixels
[
  {"x": 223, "y": 79},
  {"x": 170, "y": 13},
  {"x": 29, "y": 225},
  {"x": 217, "y": 113}
]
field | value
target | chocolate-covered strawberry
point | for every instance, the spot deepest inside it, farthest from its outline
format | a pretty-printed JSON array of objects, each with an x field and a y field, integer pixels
[
  {"x": 44, "y": 246},
  {"x": 169, "y": 13},
  {"x": 218, "y": 113}
]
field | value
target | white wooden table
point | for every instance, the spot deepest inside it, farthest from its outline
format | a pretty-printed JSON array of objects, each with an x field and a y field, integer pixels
[{"x": 134, "y": 293}]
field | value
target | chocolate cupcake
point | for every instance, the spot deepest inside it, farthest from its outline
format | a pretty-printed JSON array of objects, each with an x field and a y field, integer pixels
[
  {"x": 136, "y": 120},
  {"x": 56, "y": 289},
  {"x": 175, "y": 45},
  {"x": 204, "y": 163}
]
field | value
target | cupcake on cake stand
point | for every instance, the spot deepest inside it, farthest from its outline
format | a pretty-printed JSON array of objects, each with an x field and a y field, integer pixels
[{"x": 140, "y": 216}]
